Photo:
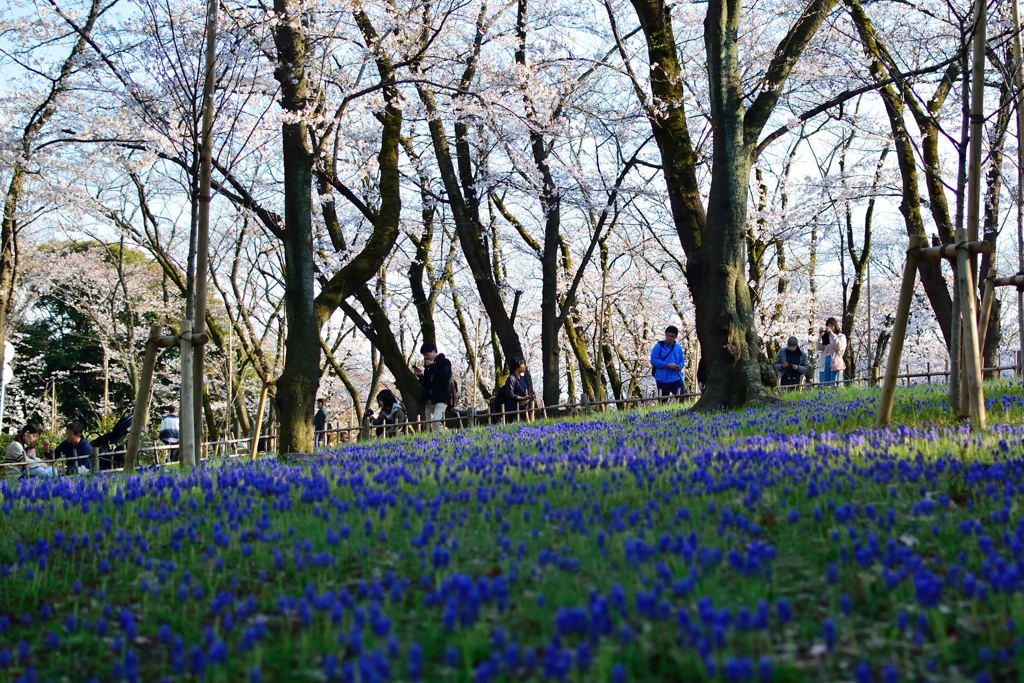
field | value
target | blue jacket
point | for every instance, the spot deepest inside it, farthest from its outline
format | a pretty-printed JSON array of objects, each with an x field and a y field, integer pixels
[{"x": 662, "y": 355}]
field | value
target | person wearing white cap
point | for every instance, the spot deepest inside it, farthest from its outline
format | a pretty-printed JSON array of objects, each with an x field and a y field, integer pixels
[{"x": 791, "y": 363}]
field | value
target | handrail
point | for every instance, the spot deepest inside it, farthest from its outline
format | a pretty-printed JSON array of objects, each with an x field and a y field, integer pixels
[{"x": 364, "y": 430}]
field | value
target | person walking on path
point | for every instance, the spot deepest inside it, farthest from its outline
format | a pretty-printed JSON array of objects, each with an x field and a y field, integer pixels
[
  {"x": 667, "y": 362},
  {"x": 319, "y": 425},
  {"x": 436, "y": 378},
  {"x": 831, "y": 349},
  {"x": 75, "y": 449},
  {"x": 791, "y": 363},
  {"x": 169, "y": 435}
]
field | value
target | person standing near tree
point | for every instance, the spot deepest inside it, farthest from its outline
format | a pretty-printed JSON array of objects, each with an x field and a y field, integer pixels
[
  {"x": 436, "y": 378},
  {"x": 831, "y": 348},
  {"x": 791, "y": 363},
  {"x": 319, "y": 424},
  {"x": 667, "y": 363}
]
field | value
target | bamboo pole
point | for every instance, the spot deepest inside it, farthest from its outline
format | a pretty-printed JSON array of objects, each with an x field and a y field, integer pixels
[
  {"x": 986, "y": 307},
  {"x": 971, "y": 351},
  {"x": 140, "y": 413},
  {"x": 955, "y": 355},
  {"x": 188, "y": 413},
  {"x": 977, "y": 121},
  {"x": 1018, "y": 80},
  {"x": 261, "y": 407},
  {"x": 203, "y": 231},
  {"x": 899, "y": 331}
]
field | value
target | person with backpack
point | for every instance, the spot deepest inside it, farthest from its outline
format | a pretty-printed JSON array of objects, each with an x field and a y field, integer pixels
[
  {"x": 791, "y": 363},
  {"x": 436, "y": 380},
  {"x": 515, "y": 394},
  {"x": 667, "y": 363}
]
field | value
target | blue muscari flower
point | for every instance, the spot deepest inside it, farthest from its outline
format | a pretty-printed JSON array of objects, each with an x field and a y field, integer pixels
[
  {"x": 738, "y": 669},
  {"x": 784, "y": 611},
  {"x": 828, "y": 632},
  {"x": 764, "y": 669},
  {"x": 415, "y": 661},
  {"x": 451, "y": 656}
]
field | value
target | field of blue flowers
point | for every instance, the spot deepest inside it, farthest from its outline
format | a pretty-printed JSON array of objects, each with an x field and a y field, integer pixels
[{"x": 785, "y": 543}]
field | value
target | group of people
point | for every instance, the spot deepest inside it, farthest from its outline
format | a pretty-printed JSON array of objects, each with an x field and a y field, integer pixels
[
  {"x": 34, "y": 454},
  {"x": 439, "y": 393},
  {"x": 515, "y": 396},
  {"x": 791, "y": 363},
  {"x": 36, "y": 458}
]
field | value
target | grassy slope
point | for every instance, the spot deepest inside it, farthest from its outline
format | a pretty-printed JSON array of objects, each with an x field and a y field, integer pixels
[{"x": 701, "y": 514}]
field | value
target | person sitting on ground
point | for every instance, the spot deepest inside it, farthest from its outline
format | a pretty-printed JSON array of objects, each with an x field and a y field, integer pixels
[
  {"x": 22, "y": 451},
  {"x": 436, "y": 377},
  {"x": 791, "y": 363},
  {"x": 169, "y": 434},
  {"x": 667, "y": 362},
  {"x": 75, "y": 450},
  {"x": 390, "y": 413},
  {"x": 515, "y": 395}
]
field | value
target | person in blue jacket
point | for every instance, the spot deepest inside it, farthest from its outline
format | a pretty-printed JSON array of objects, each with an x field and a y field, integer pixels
[{"x": 667, "y": 362}]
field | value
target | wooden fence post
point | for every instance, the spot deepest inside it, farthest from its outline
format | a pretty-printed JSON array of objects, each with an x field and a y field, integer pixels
[{"x": 899, "y": 332}]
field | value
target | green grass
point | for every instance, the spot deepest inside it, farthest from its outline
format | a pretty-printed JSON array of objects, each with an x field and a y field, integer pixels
[{"x": 797, "y": 477}]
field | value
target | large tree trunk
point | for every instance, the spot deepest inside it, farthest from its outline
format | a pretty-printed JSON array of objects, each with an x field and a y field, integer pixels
[
  {"x": 297, "y": 385},
  {"x": 714, "y": 243}
]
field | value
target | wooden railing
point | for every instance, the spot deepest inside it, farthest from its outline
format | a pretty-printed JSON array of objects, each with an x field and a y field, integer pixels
[{"x": 333, "y": 437}]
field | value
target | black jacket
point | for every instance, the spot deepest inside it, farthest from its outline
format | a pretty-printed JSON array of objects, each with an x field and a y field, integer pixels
[
  {"x": 513, "y": 388},
  {"x": 436, "y": 380}
]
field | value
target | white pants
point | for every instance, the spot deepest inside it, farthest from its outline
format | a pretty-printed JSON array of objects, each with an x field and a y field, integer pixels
[{"x": 434, "y": 414}]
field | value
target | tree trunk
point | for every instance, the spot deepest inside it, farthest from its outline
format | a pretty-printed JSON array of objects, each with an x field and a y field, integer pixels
[
  {"x": 714, "y": 243},
  {"x": 297, "y": 385}
]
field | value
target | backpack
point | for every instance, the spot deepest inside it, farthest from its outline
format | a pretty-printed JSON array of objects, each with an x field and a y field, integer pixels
[{"x": 453, "y": 390}]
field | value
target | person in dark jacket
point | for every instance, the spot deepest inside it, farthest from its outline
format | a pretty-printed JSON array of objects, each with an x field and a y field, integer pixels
[
  {"x": 515, "y": 394},
  {"x": 791, "y": 363},
  {"x": 390, "y": 413},
  {"x": 75, "y": 449},
  {"x": 436, "y": 378},
  {"x": 319, "y": 424}
]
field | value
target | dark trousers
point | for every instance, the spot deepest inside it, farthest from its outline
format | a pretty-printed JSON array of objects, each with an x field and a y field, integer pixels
[{"x": 670, "y": 388}]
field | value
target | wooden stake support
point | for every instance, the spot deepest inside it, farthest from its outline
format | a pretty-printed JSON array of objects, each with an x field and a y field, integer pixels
[
  {"x": 254, "y": 443},
  {"x": 187, "y": 430},
  {"x": 965, "y": 337}
]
